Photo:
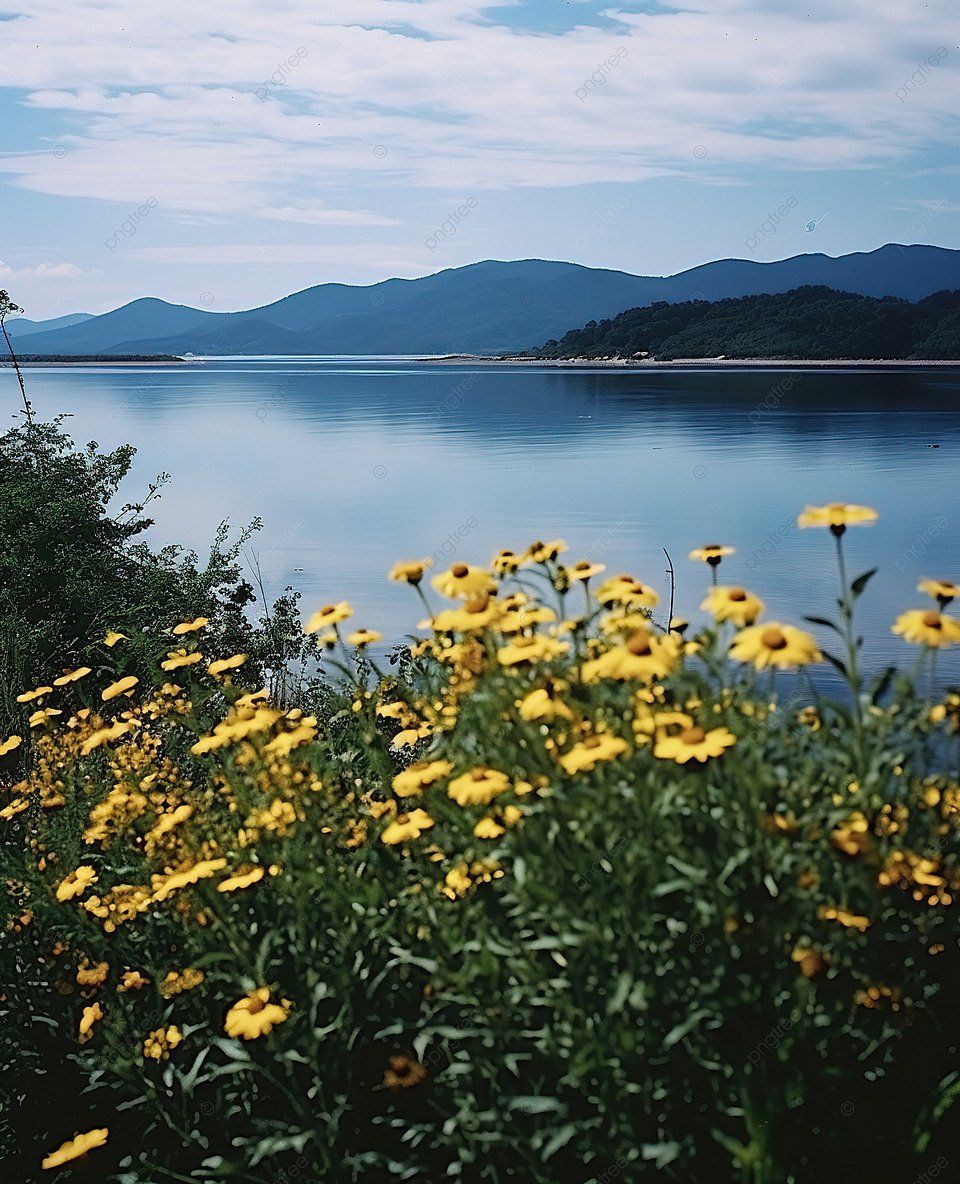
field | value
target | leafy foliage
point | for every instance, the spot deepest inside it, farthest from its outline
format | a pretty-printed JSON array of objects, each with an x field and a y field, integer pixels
[
  {"x": 808, "y": 322},
  {"x": 558, "y": 954}
]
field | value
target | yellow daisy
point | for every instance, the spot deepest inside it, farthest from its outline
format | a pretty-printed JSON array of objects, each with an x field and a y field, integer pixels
[
  {"x": 222, "y": 665},
  {"x": 694, "y": 744},
  {"x": 120, "y": 687},
  {"x": 505, "y": 563},
  {"x": 837, "y": 516},
  {"x": 255, "y": 1015},
  {"x": 10, "y": 744},
  {"x": 643, "y": 656},
  {"x": 411, "y": 571},
  {"x": 732, "y": 604},
  {"x": 540, "y": 552},
  {"x": 628, "y": 591},
  {"x": 543, "y": 704},
  {"x": 930, "y": 628},
  {"x": 585, "y": 570},
  {"x": 478, "y": 787},
  {"x": 75, "y": 1148},
  {"x": 595, "y": 750},
  {"x": 531, "y": 649},
  {"x": 712, "y": 553},
  {"x": 113, "y": 637},
  {"x": 72, "y": 676},
  {"x": 329, "y": 615},
  {"x": 417, "y": 777},
  {"x": 363, "y": 637},
  {"x": 943, "y": 591},
  {"x": 406, "y": 827},
  {"x": 190, "y": 626},
  {"x": 774, "y": 645},
  {"x": 463, "y": 581}
]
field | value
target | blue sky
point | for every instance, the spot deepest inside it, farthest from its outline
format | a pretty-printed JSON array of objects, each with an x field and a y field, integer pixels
[{"x": 223, "y": 155}]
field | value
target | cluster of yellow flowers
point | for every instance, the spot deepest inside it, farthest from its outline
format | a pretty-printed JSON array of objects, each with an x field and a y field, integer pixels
[{"x": 257, "y": 763}]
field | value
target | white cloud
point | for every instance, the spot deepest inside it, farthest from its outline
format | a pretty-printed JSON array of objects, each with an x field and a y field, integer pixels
[
  {"x": 171, "y": 101},
  {"x": 49, "y": 270}
]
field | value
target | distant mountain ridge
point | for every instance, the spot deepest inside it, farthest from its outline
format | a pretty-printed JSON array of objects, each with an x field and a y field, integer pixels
[
  {"x": 813, "y": 322},
  {"x": 490, "y": 307}
]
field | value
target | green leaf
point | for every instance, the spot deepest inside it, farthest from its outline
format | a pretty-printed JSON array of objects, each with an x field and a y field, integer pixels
[
  {"x": 861, "y": 581},
  {"x": 825, "y": 622}
]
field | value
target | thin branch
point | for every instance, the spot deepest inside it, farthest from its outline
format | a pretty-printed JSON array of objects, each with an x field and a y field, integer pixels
[{"x": 670, "y": 572}]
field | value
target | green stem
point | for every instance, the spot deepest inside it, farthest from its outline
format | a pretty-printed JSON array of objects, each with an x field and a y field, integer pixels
[{"x": 853, "y": 662}]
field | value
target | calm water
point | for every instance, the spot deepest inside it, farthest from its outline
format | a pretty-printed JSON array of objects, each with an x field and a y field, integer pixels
[{"x": 352, "y": 463}]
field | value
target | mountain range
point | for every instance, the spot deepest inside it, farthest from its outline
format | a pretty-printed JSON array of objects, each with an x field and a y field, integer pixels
[{"x": 490, "y": 307}]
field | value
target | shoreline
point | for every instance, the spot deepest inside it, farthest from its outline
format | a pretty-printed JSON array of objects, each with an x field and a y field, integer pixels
[
  {"x": 695, "y": 363},
  {"x": 524, "y": 361}
]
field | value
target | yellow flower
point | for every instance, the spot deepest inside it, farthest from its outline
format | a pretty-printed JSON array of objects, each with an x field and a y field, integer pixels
[
  {"x": 203, "y": 870},
  {"x": 932, "y": 629},
  {"x": 837, "y": 515},
  {"x": 190, "y": 626},
  {"x": 75, "y": 1148},
  {"x": 540, "y": 552},
  {"x": 221, "y": 665},
  {"x": 463, "y": 581},
  {"x": 844, "y": 918},
  {"x": 531, "y": 649},
  {"x": 178, "y": 658},
  {"x": 159, "y": 1044},
  {"x": 543, "y": 704},
  {"x": 104, "y": 735},
  {"x": 853, "y": 835},
  {"x": 90, "y": 1016},
  {"x": 406, "y": 827},
  {"x": 478, "y": 787},
  {"x": 403, "y": 1073},
  {"x": 92, "y": 976},
  {"x": 694, "y": 744},
  {"x": 712, "y": 553},
  {"x": 488, "y": 828},
  {"x": 410, "y": 736},
  {"x": 587, "y": 754},
  {"x": 330, "y": 614},
  {"x": 363, "y": 637},
  {"x": 774, "y": 645},
  {"x": 413, "y": 780},
  {"x": 10, "y": 744},
  {"x": 43, "y": 716},
  {"x": 76, "y": 883},
  {"x": 120, "y": 687},
  {"x": 132, "y": 980},
  {"x": 943, "y": 591},
  {"x": 411, "y": 572},
  {"x": 456, "y": 882},
  {"x": 113, "y": 637},
  {"x": 29, "y": 696},
  {"x": 733, "y": 604},
  {"x": 72, "y": 676},
  {"x": 810, "y": 961},
  {"x": 478, "y": 613},
  {"x": 583, "y": 569},
  {"x": 254, "y": 1015},
  {"x": 176, "y": 982},
  {"x": 642, "y": 657},
  {"x": 628, "y": 591},
  {"x": 505, "y": 563},
  {"x": 240, "y": 880}
]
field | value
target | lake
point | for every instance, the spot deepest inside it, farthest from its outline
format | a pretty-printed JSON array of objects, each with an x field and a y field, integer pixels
[{"x": 354, "y": 462}]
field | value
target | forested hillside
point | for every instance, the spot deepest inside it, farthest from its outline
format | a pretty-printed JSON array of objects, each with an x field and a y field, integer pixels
[{"x": 808, "y": 322}]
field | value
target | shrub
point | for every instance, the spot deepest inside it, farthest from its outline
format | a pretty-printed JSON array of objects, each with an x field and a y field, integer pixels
[{"x": 567, "y": 894}]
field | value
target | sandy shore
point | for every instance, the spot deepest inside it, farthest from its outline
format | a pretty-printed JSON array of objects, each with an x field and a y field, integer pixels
[{"x": 695, "y": 363}]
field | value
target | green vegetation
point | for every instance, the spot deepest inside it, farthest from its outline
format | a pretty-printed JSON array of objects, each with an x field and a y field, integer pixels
[
  {"x": 810, "y": 322},
  {"x": 567, "y": 895}
]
